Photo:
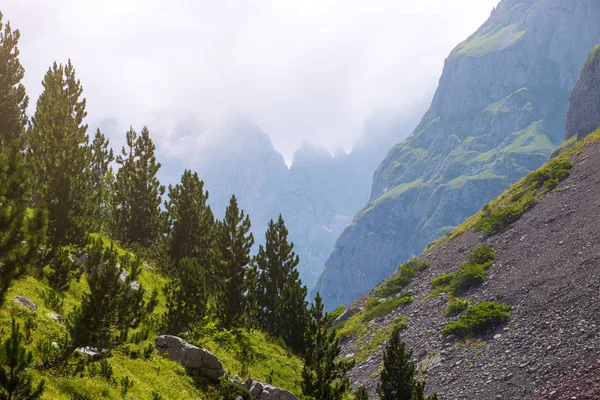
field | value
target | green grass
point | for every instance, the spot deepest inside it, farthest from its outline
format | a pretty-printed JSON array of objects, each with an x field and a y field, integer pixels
[
  {"x": 387, "y": 306},
  {"x": 483, "y": 44},
  {"x": 406, "y": 273},
  {"x": 367, "y": 348},
  {"x": 478, "y": 319},
  {"x": 535, "y": 185},
  {"x": 153, "y": 374}
]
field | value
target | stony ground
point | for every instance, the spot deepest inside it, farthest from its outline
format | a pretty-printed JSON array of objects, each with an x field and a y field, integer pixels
[{"x": 548, "y": 270}]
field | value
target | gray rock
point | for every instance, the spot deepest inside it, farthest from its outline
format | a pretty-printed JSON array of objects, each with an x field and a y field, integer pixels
[
  {"x": 348, "y": 313},
  {"x": 196, "y": 359},
  {"x": 25, "y": 302},
  {"x": 263, "y": 391},
  {"x": 56, "y": 317},
  {"x": 584, "y": 104}
]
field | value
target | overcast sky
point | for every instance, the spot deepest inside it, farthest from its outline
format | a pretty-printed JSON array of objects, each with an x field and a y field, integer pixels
[{"x": 303, "y": 69}]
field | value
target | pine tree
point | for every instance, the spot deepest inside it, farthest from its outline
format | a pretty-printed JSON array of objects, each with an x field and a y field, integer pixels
[
  {"x": 361, "y": 394},
  {"x": 59, "y": 156},
  {"x": 101, "y": 180},
  {"x": 138, "y": 217},
  {"x": 15, "y": 382},
  {"x": 186, "y": 297},
  {"x": 235, "y": 244},
  {"x": 61, "y": 272},
  {"x": 324, "y": 376},
  {"x": 20, "y": 235},
  {"x": 397, "y": 380},
  {"x": 191, "y": 222},
  {"x": 13, "y": 99},
  {"x": 293, "y": 313},
  {"x": 112, "y": 306}
]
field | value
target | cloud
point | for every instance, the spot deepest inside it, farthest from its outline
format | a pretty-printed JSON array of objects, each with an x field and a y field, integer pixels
[{"x": 305, "y": 69}]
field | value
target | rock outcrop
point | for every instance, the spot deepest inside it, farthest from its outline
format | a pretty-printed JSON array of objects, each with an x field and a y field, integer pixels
[
  {"x": 25, "y": 302},
  {"x": 263, "y": 391},
  {"x": 195, "y": 359},
  {"x": 584, "y": 104},
  {"x": 498, "y": 113}
]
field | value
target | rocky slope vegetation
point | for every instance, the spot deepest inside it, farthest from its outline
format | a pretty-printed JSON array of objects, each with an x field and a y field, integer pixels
[
  {"x": 544, "y": 271},
  {"x": 498, "y": 112}
]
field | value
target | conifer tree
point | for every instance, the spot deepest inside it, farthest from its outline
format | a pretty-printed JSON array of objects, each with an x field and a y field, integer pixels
[
  {"x": 61, "y": 272},
  {"x": 278, "y": 283},
  {"x": 112, "y": 306},
  {"x": 59, "y": 156},
  {"x": 15, "y": 381},
  {"x": 191, "y": 222},
  {"x": 20, "y": 235},
  {"x": 361, "y": 394},
  {"x": 138, "y": 191},
  {"x": 397, "y": 380},
  {"x": 13, "y": 99},
  {"x": 186, "y": 297},
  {"x": 235, "y": 244},
  {"x": 324, "y": 376},
  {"x": 101, "y": 180}
]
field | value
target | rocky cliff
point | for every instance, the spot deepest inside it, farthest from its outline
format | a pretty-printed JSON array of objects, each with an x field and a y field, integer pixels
[
  {"x": 497, "y": 114},
  {"x": 317, "y": 195},
  {"x": 546, "y": 275},
  {"x": 584, "y": 104}
]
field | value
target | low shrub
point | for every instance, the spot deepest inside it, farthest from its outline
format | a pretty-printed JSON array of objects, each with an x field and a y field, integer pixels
[
  {"x": 372, "y": 303},
  {"x": 233, "y": 391},
  {"x": 456, "y": 306},
  {"x": 478, "y": 319},
  {"x": 386, "y": 306},
  {"x": 442, "y": 280},
  {"x": 468, "y": 275},
  {"x": 481, "y": 255}
]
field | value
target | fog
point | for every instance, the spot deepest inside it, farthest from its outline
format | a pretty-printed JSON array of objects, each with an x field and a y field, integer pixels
[{"x": 303, "y": 70}]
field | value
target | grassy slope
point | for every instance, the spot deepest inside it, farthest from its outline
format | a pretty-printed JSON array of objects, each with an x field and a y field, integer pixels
[
  {"x": 155, "y": 374},
  {"x": 367, "y": 340}
]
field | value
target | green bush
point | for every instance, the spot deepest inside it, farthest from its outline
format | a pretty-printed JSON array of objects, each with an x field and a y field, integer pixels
[
  {"x": 481, "y": 255},
  {"x": 456, "y": 306},
  {"x": 478, "y": 319},
  {"x": 442, "y": 280},
  {"x": 387, "y": 306},
  {"x": 406, "y": 273},
  {"x": 468, "y": 275},
  {"x": 231, "y": 391}
]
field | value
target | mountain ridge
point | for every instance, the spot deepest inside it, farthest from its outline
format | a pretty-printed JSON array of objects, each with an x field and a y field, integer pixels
[{"x": 496, "y": 116}]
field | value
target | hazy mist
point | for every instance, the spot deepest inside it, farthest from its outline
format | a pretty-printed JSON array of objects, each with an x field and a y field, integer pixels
[{"x": 312, "y": 70}]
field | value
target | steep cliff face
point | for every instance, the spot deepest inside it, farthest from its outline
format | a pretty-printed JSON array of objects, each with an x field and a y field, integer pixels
[
  {"x": 584, "y": 104},
  {"x": 497, "y": 114}
]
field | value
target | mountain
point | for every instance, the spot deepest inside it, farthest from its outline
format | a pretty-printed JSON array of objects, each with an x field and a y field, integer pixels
[
  {"x": 505, "y": 305},
  {"x": 545, "y": 272},
  {"x": 317, "y": 195},
  {"x": 497, "y": 114},
  {"x": 584, "y": 105}
]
